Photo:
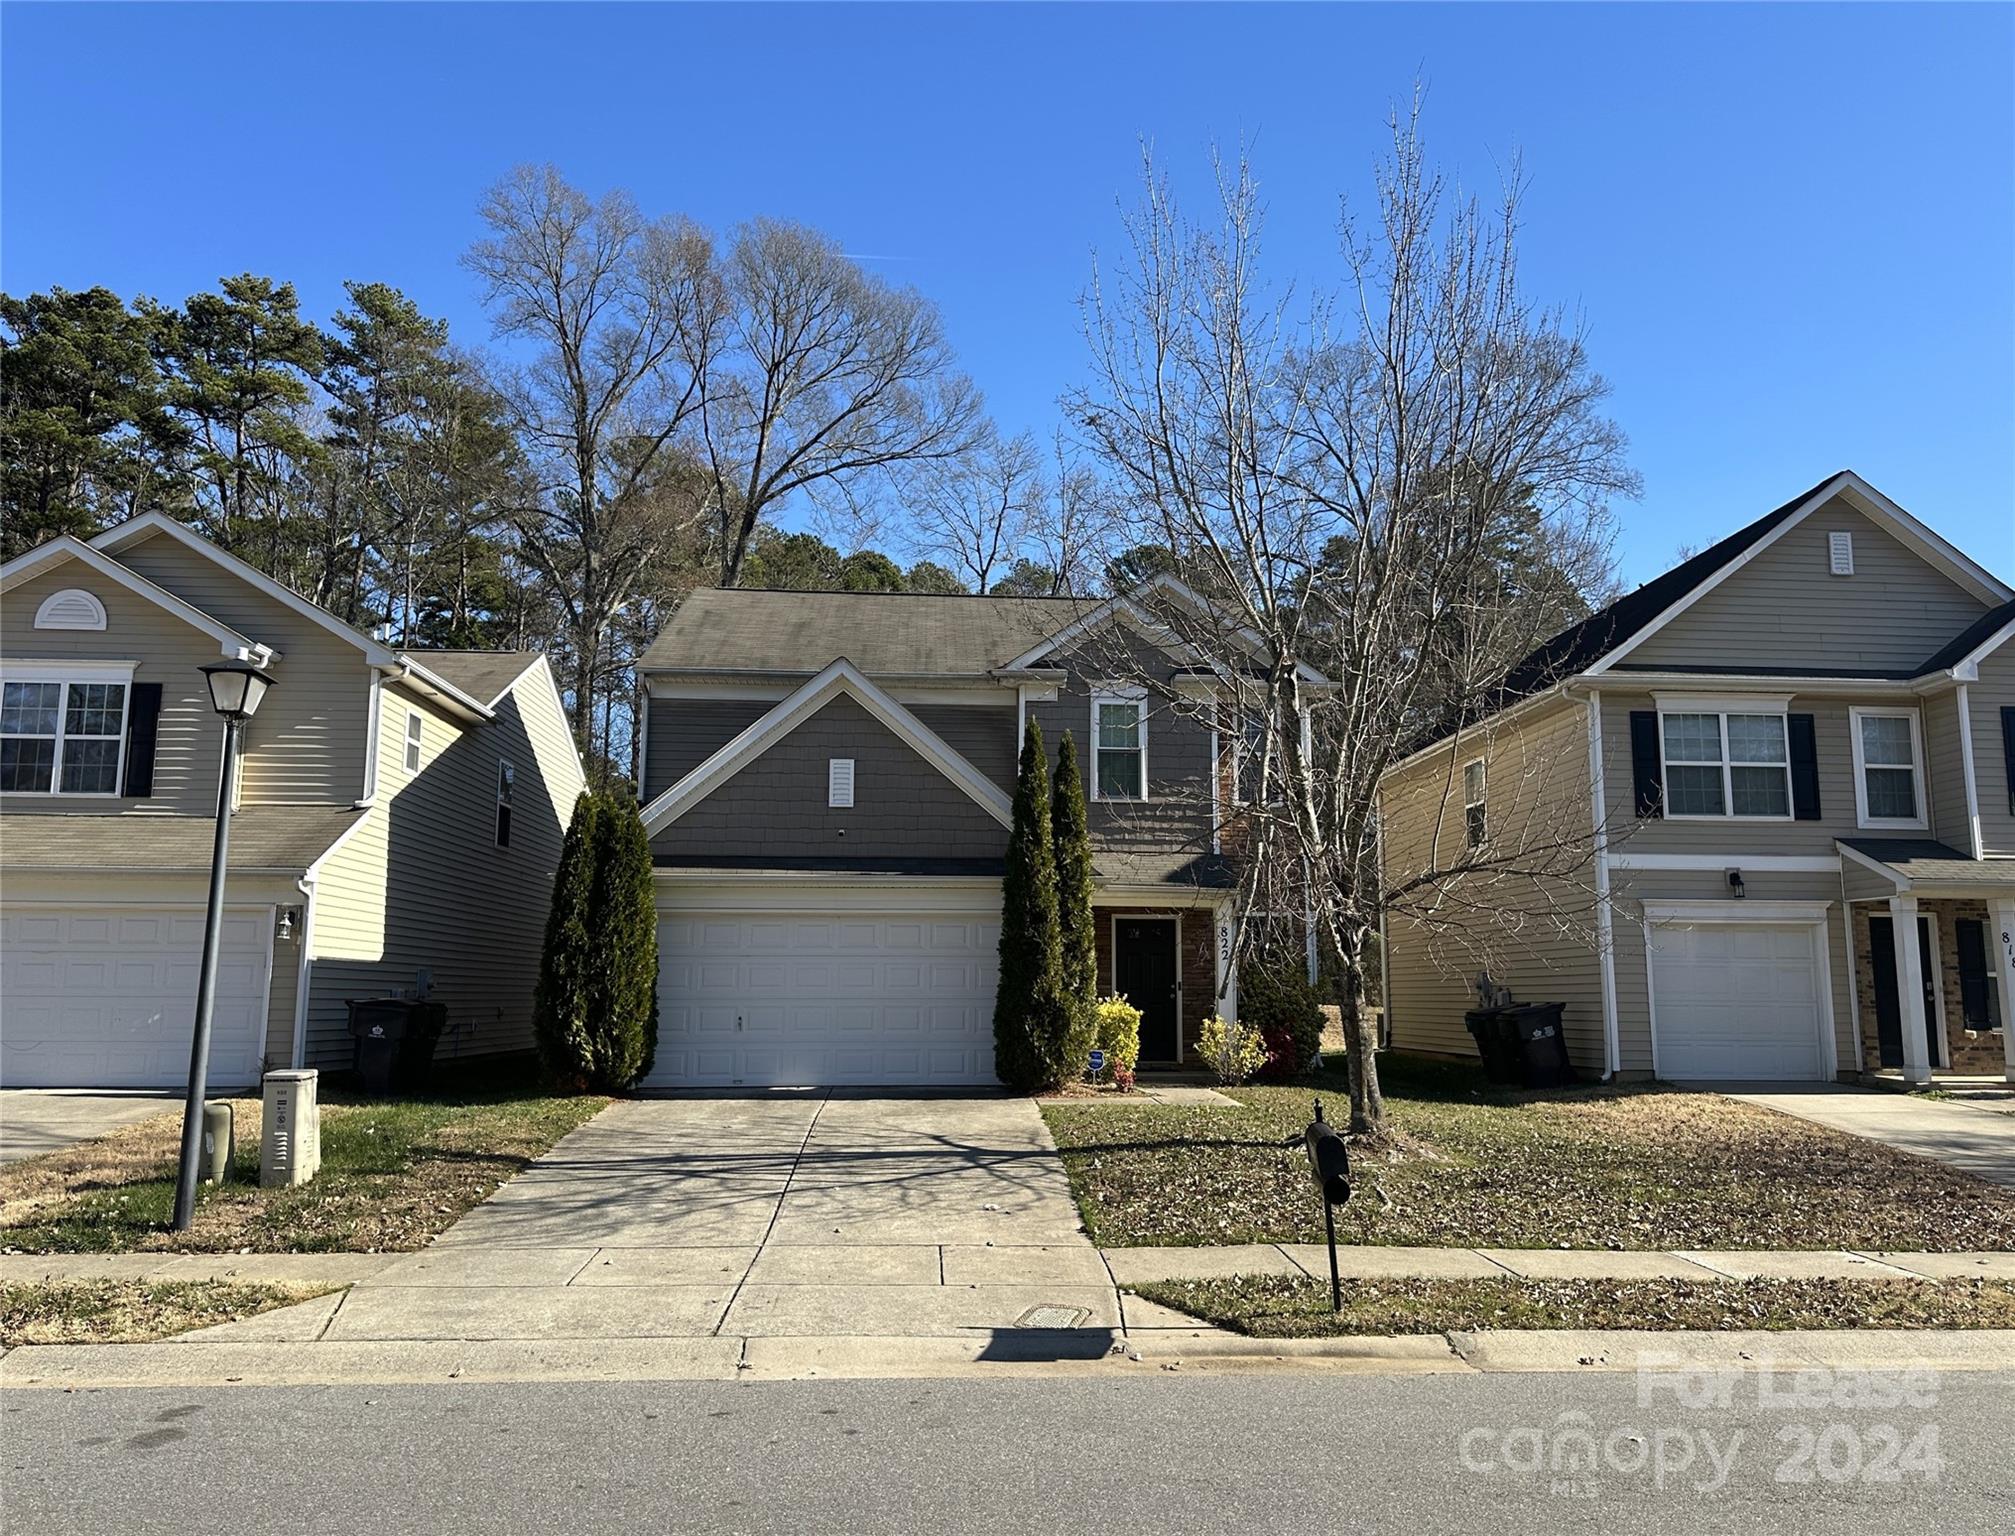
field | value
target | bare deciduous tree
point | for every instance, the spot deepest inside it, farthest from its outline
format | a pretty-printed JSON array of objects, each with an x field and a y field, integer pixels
[
  {"x": 623, "y": 316},
  {"x": 973, "y": 512},
  {"x": 1344, "y": 478}
]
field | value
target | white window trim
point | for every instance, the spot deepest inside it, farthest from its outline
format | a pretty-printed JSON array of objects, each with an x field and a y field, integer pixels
[
  {"x": 504, "y": 766},
  {"x": 1723, "y": 708},
  {"x": 836, "y": 800},
  {"x": 1482, "y": 803},
  {"x": 412, "y": 744},
  {"x": 1922, "y": 820},
  {"x": 1112, "y": 693},
  {"x": 1240, "y": 796},
  {"x": 67, "y": 673}
]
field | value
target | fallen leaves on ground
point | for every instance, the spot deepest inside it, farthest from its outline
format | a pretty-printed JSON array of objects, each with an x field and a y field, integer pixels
[{"x": 131, "y": 1311}]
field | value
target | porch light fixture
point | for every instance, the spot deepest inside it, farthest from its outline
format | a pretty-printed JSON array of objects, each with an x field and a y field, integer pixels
[
  {"x": 236, "y": 692},
  {"x": 1735, "y": 886}
]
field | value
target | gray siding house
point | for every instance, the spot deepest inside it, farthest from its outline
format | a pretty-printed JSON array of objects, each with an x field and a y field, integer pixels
[
  {"x": 1793, "y": 760},
  {"x": 397, "y": 820},
  {"x": 827, "y": 782}
]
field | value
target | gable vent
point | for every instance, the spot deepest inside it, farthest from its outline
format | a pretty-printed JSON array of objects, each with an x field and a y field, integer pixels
[
  {"x": 72, "y": 608},
  {"x": 840, "y": 783},
  {"x": 1840, "y": 553}
]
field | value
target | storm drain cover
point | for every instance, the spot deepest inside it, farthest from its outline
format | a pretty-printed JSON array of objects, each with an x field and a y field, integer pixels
[{"x": 1053, "y": 1317}]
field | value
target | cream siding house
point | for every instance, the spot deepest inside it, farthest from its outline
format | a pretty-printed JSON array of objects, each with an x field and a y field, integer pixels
[
  {"x": 350, "y": 875},
  {"x": 1800, "y": 845}
]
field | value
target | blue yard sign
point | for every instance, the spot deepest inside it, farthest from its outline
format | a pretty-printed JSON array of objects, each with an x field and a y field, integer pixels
[{"x": 1097, "y": 1062}]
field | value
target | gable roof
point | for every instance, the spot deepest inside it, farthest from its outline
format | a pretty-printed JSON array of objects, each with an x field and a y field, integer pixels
[
  {"x": 32, "y": 563},
  {"x": 1599, "y": 641},
  {"x": 482, "y": 676},
  {"x": 1983, "y": 635},
  {"x": 841, "y": 677},
  {"x": 744, "y": 629}
]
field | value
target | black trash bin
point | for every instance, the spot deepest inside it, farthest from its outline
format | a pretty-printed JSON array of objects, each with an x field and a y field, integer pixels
[
  {"x": 1540, "y": 1045},
  {"x": 1496, "y": 1044},
  {"x": 393, "y": 1042}
]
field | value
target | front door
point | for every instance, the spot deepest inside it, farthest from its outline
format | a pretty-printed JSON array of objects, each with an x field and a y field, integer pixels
[
  {"x": 1144, "y": 973},
  {"x": 1888, "y": 1011}
]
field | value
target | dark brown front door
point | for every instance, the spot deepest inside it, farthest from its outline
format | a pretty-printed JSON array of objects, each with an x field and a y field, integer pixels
[
  {"x": 1144, "y": 973},
  {"x": 1888, "y": 1010}
]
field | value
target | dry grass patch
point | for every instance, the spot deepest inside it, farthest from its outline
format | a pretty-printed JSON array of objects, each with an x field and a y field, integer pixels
[
  {"x": 1276, "y": 1306},
  {"x": 393, "y": 1175},
  {"x": 132, "y": 1311},
  {"x": 1462, "y": 1166}
]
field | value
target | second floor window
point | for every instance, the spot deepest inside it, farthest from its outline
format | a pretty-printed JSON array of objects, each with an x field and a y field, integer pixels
[
  {"x": 59, "y": 737},
  {"x": 1726, "y": 765},
  {"x": 1475, "y": 822},
  {"x": 1119, "y": 749},
  {"x": 1885, "y": 768},
  {"x": 1249, "y": 766},
  {"x": 507, "y": 778},
  {"x": 412, "y": 742}
]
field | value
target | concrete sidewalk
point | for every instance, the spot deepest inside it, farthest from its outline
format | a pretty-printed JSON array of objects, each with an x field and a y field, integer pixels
[{"x": 1973, "y": 1138}]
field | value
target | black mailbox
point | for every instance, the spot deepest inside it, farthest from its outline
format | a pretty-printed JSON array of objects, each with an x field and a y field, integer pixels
[{"x": 1328, "y": 1158}]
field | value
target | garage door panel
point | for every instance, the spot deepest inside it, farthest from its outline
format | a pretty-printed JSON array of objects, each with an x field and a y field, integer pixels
[
  {"x": 855, "y": 998},
  {"x": 107, "y": 997},
  {"x": 1737, "y": 1001}
]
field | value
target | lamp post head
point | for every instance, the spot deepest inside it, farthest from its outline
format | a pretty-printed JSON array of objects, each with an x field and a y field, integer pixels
[{"x": 236, "y": 690}]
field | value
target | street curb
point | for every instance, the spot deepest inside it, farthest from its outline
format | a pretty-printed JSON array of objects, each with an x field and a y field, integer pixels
[{"x": 1000, "y": 1355}]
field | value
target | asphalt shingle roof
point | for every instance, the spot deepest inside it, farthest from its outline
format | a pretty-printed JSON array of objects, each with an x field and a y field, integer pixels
[
  {"x": 886, "y": 633},
  {"x": 275, "y": 837},
  {"x": 1963, "y": 644},
  {"x": 483, "y": 675}
]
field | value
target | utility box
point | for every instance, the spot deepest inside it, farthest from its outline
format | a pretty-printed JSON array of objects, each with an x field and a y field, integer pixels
[
  {"x": 220, "y": 1142},
  {"x": 290, "y": 1140}
]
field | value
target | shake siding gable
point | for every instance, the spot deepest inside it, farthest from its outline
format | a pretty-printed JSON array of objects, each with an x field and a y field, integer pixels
[
  {"x": 983, "y": 734},
  {"x": 169, "y": 652},
  {"x": 1537, "y": 773},
  {"x": 306, "y": 744},
  {"x": 1783, "y": 610},
  {"x": 686, "y": 732}
]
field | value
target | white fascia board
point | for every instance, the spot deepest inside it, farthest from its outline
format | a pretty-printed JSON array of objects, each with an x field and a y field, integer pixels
[
  {"x": 1736, "y": 911},
  {"x": 1928, "y": 546},
  {"x": 441, "y": 691},
  {"x": 1888, "y": 872},
  {"x": 1969, "y": 669},
  {"x": 1655, "y": 682},
  {"x": 841, "y": 677},
  {"x": 1161, "y": 897},
  {"x": 22, "y": 567},
  {"x": 150, "y": 524},
  {"x": 1748, "y": 863}
]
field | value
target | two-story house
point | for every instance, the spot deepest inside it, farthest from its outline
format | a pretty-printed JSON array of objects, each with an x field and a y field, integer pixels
[
  {"x": 397, "y": 818},
  {"x": 827, "y": 781},
  {"x": 1793, "y": 756}
]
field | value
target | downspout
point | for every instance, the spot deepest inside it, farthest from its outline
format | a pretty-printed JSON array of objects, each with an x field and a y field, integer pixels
[
  {"x": 302, "y": 967},
  {"x": 1979, "y": 843},
  {"x": 1605, "y": 938}
]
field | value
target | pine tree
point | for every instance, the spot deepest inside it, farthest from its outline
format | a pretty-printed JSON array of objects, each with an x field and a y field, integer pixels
[
  {"x": 560, "y": 1009},
  {"x": 1076, "y": 927},
  {"x": 1031, "y": 1016}
]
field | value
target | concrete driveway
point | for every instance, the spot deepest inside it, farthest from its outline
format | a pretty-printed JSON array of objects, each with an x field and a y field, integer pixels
[
  {"x": 1971, "y": 1137},
  {"x": 813, "y": 1215},
  {"x": 38, "y": 1120}
]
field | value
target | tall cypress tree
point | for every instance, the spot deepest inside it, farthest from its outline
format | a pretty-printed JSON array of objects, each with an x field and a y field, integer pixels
[
  {"x": 560, "y": 1008},
  {"x": 1076, "y": 927},
  {"x": 1031, "y": 1016},
  {"x": 623, "y": 948}
]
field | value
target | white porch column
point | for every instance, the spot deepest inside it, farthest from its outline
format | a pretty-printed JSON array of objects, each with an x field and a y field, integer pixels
[
  {"x": 1910, "y": 989},
  {"x": 2004, "y": 951},
  {"x": 1225, "y": 1005}
]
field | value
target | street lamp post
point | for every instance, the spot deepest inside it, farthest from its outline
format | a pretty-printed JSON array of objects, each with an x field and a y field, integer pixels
[{"x": 235, "y": 693}]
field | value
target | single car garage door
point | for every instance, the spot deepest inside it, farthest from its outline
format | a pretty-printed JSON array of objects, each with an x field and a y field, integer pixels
[
  {"x": 819, "y": 999},
  {"x": 1736, "y": 1001},
  {"x": 105, "y": 997}
]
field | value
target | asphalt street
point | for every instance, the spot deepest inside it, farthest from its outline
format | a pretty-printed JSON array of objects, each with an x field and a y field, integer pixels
[{"x": 1185, "y": 1453}]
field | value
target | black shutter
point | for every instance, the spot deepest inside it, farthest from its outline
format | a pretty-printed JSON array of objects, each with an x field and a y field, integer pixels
[
  {"x": 143, "y": 720},
  {"x": 1976, "y": 993},
  {"x": 2008, "y": 751},
  {"x": 1804, "y": 769},
  {"x": 1647, "y": 767}
]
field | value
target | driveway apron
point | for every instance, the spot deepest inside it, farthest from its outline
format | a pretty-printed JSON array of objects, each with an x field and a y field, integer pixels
[{"x": 814, "y": 1214}]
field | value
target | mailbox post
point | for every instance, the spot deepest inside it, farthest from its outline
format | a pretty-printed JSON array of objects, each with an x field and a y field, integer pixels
[{"x": 1329, "y": 1166}]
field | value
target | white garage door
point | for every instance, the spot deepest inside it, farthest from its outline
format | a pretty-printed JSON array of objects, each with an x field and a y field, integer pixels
[
  {"x": 106, "y": 997},
  {"x": 1736, "y": 1001},
  {"x": 819, "y": 999}
]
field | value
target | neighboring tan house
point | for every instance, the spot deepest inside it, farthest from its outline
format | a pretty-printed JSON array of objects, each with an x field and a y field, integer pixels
[
  {"x": 827, "y": 781},
  {"x": 1804, "y": 813},
  {"x": 397, "y": 820}
]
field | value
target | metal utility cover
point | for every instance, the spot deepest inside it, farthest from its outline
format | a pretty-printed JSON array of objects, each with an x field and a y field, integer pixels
[{"x": 1052, "y": 1317}]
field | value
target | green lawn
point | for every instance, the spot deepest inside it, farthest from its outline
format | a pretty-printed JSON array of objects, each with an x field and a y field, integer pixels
[
  {"x": 1463, "y": 1166},
  {"x": 393, "y": 1175},
  {"x": 1275, "y": 1306},
  {"x": 130, "y": 1311}
]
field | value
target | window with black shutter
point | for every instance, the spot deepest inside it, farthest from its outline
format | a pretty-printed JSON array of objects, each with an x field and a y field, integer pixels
[{"x": 1977, "y": 992}]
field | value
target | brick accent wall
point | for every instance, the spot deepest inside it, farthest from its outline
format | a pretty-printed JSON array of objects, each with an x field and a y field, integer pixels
[
  {"x": 1970, "y": 1051},
  {"x": 1196, "y": 963}
]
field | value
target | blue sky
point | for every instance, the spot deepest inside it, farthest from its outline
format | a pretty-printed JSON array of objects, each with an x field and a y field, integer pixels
[{"x": 1791, "y": 228}]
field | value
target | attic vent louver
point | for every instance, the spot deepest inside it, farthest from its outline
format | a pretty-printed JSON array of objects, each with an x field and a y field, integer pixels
[
  {"x": 840, "y": 782},
  {"x": 72, "y": 608},
  {"x": 1840, "y": 553}
]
